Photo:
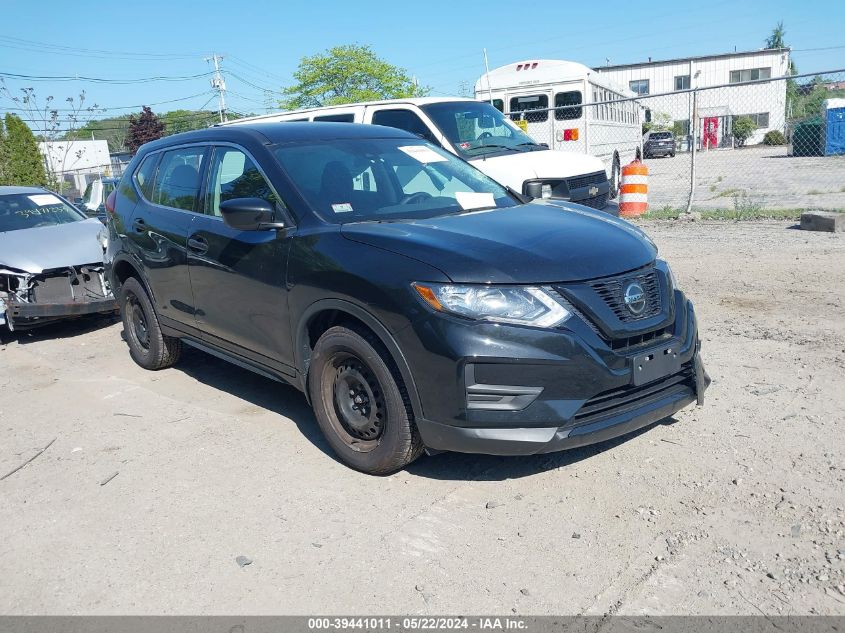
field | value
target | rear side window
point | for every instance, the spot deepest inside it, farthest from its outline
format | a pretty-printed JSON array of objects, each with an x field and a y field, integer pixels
[
  {"x": 499, "y": 105},
  {"x": 144, "y": 176},
  {"x": 336, "y": 118},
  {"x": 530, "y": 102},
  {"x": 571, "y": 98},
  {"x": 404, "y": 120},
  {"x": 177, "y": 182}
]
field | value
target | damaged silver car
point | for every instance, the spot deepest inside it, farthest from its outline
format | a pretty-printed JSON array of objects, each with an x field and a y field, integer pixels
[{"x": 51, "y": 260}]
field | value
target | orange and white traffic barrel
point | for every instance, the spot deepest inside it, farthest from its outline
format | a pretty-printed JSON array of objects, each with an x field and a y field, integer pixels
[{"x": 633, "y": 194}]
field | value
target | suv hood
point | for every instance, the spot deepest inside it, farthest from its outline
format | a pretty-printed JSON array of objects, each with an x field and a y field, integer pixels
[
  {"x": 515, "y": 168},
  {"x": 540, "y": 242},
  {"x": 46, "y": 247}
]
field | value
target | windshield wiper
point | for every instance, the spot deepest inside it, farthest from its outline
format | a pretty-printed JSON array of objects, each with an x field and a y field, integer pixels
[{"x": 490, "y": 145}]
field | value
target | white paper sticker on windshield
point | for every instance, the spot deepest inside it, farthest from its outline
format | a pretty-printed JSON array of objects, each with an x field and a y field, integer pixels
[
  {"x": 472, "y": 200},
  {"x": 422, "y": 153},
  {"x": 343, "y": 207},
  {"x": 44, "y": 199}
]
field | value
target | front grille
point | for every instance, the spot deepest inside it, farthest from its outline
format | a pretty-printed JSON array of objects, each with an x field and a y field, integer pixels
[
  {"x": 627, "y": 398},
  {"x": 584, "y": 181},
  {"x": 599, "y": 202},
  {"x": 611, "y": 292},
  {"x": 648, "y": 338}
]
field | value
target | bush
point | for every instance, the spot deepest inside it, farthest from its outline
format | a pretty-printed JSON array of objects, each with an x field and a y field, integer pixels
[
  {"x": 743, "y": 128},
  {"x": 774, "y": 137}
]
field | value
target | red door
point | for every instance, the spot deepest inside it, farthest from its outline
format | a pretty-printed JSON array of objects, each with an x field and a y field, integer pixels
[{"x": 710, "y": 134}]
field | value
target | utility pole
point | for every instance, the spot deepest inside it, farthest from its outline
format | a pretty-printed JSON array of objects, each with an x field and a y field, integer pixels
[{"x": 218, "y": 84}]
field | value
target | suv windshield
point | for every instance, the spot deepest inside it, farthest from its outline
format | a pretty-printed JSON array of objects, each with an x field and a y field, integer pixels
[
  {"x": 355, "y": 180},
  {"x": 30, "y": 210},
  {"x": 476, "y": 128}
]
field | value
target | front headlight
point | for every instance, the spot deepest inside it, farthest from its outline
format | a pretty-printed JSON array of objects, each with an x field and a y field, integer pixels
[
  {"x": 103, "y": 239},
  {"x": 521, "y": 305},
  {"x": 669, "y": 273}
]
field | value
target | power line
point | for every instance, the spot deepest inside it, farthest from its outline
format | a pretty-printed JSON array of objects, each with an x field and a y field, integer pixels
[
  {"x": 219, "y": 84},
  {"x": 131, "y": 107},
  {"x": 102, "y": 79},
  {"x": 44, "y": 47}
]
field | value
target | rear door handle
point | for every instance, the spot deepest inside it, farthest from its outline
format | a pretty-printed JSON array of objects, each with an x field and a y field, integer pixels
[
  {"x": 139, "y": 226},
  {"x": 197, "y": 245}
]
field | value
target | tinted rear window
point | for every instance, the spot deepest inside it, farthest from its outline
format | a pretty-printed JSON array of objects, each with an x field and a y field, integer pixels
[{"x": 659, "y": 136}]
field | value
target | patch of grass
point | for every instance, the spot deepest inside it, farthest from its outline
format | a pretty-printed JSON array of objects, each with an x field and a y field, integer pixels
[
  {"x": 666, "y": 213},
  {"x": 727, "y": 193},
  {"x": 712, "y": 188},
  {"x": 720, "y": 179},
  {"x": 816, "y": 192}
]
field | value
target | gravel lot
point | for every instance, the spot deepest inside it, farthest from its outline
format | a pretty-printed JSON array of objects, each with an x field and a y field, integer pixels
[
  {"x": 753, "y": 176},
  {"x": 736, "y": 507}
]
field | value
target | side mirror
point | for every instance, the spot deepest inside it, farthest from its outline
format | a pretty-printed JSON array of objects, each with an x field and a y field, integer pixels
[{"x": 249, "y": 214}]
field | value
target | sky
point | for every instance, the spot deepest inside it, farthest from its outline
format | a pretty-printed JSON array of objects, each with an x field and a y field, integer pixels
[{"x": 438, "y": 42}]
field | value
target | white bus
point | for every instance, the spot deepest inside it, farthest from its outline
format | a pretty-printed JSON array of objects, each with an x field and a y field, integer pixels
[{"x": 570, "y": 107}]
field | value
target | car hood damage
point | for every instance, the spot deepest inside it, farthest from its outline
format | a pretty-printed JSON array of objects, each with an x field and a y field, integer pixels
[
  {"x": 541, "y": 242},
  {"x": 49, "y": 247}
]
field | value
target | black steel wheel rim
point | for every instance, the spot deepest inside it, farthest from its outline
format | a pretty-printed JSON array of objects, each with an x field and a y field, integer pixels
[
  {"x": 358, "y": 401},
  {"x": 138, "y": 322}
]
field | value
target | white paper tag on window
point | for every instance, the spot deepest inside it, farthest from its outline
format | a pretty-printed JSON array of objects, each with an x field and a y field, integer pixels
[
  {"x": 343, "y": 207},
  {"x": 472, "y": 200},
  {"x": 422, "y": 153},
  {"x": 45, "y": 199}
]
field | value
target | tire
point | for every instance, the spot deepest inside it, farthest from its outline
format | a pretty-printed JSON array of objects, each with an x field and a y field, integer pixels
[
  {"x": 615, "y": 178},
  {"x": 147, "y": 345},
  {"x": 360, "y": 402},
  {"x": 672, "y": 155}
]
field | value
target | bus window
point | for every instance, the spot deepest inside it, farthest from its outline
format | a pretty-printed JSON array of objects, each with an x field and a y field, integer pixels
[
  {"x": 571, "y": 98},
  {"x": 531, "y": 102}
]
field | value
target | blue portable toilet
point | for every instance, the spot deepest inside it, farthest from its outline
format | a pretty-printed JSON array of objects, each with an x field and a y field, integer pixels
[{"x": 833, "y": 123}]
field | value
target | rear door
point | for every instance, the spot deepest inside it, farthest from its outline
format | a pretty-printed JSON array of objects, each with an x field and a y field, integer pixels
[
  {"x": 238, "y": 277},
  {"x": 158, "y": 231}
]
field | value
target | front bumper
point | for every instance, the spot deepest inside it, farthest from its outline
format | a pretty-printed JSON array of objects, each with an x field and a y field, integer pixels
[
  {"x": 506, "y": 390},
  {"x": 20, "y": 315}
]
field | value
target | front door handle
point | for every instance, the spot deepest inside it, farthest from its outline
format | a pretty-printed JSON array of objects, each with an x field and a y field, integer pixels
[{"x": 197, "y": 245}]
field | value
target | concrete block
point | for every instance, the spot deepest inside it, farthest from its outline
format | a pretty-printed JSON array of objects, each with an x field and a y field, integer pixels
[{"x": 828, "y": 221}]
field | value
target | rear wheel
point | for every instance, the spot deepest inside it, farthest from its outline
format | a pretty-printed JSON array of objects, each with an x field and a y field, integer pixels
[
  {"x": 147, "y": 345},
  {"x": 360, "y": 402}
]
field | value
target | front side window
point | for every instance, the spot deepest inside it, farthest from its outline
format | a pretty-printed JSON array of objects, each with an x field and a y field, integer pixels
[
  {"x": 528, "y": 103},
  {"x": 406, "y": 179},
  {"x": 682, "y": 82},
  {"x": 177, "y": 182},
  {"x": 403, "y": 119},
  {"x": 563, "y": 99},
  {"x": 234, "y": 175},
  {"x": 639, "y": 86},
  {"x": 32, "y": 210},
  {"x": 476, "y": 128}
]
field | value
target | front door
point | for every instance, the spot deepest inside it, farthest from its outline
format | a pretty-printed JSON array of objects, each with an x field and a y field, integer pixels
[
  {"x": 710, "y": 136},
  {"x": 238, "y": 277}
]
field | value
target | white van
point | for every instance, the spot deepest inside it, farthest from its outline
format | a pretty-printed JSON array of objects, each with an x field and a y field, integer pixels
[
  {"x": 480, "y": 134},
  {"x": 570, "y": 107}
]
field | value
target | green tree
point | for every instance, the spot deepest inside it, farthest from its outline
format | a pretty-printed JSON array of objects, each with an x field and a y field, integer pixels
[
  {"x": 743, "y": 128},
  {"x": 777, "y": 39},
  {"x": 25, "y": 164},
  {"x": 4, "y": 154},
  {"x": 113, "y": 130},
  {"x": 347, "y": 74},
  {"x": 143, "y": 129}
]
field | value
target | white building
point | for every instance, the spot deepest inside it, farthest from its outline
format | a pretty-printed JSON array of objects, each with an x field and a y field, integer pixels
[
  {"x": 718, "y": 107},
  {"x": 76, "y": 161}
]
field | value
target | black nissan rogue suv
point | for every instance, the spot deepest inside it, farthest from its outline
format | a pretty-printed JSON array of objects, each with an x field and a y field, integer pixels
[{"x": 416, "y": 302}]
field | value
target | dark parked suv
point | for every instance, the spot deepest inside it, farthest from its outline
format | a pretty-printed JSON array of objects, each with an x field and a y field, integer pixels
[
  {"x": 417, "y": 303},
  {"x": 658, "y": 143}
]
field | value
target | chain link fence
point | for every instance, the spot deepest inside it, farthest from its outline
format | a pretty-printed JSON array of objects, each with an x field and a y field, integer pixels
[{"x": 774, "y": 144}]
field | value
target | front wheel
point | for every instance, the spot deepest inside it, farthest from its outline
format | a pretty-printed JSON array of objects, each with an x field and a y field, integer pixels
[
  {"x": 615, "y": 178},
  {"x": 360, "y": 402}
]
